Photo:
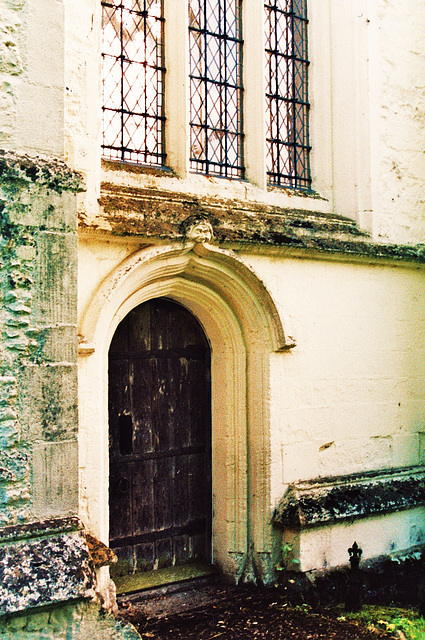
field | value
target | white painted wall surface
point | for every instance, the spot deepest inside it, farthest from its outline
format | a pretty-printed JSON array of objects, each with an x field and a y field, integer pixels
[
  {"x": 397, "y": 85},
  {"x": 324, "y": 547},
  {"x": 351, "y": 396},
  {"x": 32, "y": 53}
]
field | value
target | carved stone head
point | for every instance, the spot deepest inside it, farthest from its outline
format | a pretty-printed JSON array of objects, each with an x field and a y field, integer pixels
[{"x": 199, "y": 230}]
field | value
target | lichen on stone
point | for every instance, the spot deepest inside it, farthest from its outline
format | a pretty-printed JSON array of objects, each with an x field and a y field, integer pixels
[
  {"x": 325, "y": 500},
  {"x": 150, "y": 213},
  {"x": 37, "y": 292},
  {"x": 50, "y": 173}
]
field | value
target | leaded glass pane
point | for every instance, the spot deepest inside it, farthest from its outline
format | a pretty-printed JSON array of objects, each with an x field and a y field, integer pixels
[
  {"x": 287, "y": 96},
  {"x": 216, "y": 87},
  {"x": 132, "y": 75}
]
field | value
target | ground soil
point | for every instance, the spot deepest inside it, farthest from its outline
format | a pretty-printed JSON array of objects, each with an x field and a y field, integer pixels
[{"x": 229, "y": 612}]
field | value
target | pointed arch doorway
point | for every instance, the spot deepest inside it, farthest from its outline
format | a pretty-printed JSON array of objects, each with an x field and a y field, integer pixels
[{"x": 160, "y": 500}]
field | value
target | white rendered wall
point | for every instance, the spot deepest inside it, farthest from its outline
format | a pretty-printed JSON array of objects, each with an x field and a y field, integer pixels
[
  {"x": 397, "y": 81},
  {"x": 321, "y": 548},
  {"x": 351, "y": 396},
  {"x": 32, "y": 76}
]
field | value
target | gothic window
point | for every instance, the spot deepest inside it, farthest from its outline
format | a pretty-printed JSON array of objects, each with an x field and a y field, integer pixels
[
  {"x": 133, "y": 119},
  {"x": 216, "y": 87},
  {"x": 286, "y": 93}
]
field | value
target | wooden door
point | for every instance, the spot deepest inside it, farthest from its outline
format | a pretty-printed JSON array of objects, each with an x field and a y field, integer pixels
[{"x": 159, "y": 439}]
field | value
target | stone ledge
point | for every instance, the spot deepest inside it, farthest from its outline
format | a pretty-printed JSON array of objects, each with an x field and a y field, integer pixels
[
  {"x": 46, "y": 172},
  {"x": 43, "y": 565},
  {"x": 162, "y": 215},
  {"x": 326, "y": 500},
  {"x": 39, "y": 529}
]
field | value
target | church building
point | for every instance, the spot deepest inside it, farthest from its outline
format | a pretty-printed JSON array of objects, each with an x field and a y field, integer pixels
[{"x": 212, "y": 245}]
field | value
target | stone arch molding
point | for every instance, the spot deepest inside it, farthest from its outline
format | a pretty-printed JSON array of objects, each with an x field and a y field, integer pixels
[{"x": 243, "y": 326}]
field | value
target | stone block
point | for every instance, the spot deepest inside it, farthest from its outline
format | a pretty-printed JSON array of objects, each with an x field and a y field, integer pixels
[
  {"x": 53, "y": 211},
  {"x": 37, "y": 622},
  {"x": 7, "y": 111},
  {"x": 46, "y": 35},
  {"x": 40, "y": 571},
  {"x": 299, "y": 461},
  {"x": 39, "y": 130},
  {"x": 13, "y": 465},
  {"x": 405, "y": 450},
  {"x": 63, "y": 617},
  {"x": 55, "y": 478},
  {"x": 7, "y": 390},
  {"x": 17, "y": 623},
  {"x": 49, "y": 397},
  {"x": 9, "y": 433},
  {"x": 56, "y": 300},
  {"x": 11, "y": 63},
  {"x": 60, "y": 344},
  {"x": 22, "y": 214},
  {"x": 346, "y": 456},
  {"x": 26, "y": 253},
  {"x": 421, "y": 436}
]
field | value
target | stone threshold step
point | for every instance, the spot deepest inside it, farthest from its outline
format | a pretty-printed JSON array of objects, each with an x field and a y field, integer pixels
[{"x": 162, "y": 577}]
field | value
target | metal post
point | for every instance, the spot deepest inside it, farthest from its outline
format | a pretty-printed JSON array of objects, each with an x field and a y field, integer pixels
[{"x": 353, "y": 600}]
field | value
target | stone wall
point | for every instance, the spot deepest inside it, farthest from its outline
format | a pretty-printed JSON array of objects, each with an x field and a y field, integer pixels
[
  {"x": 38, "y": 353},
  {"x": 38, "y": 324},
  {"x": 77, "y": 621},
  {"x": 44, "y": 559},
  {"x": 31, "y": 78}
]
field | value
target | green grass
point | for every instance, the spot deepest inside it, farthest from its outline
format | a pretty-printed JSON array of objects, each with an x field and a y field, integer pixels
[{"x": 389, "y": 619}]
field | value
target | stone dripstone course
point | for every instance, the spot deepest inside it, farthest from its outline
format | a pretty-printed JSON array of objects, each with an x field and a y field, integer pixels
[{"x": 151, "y": 213}]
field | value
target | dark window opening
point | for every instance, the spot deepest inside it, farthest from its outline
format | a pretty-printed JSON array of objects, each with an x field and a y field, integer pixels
[
  {"x": 287, "y": 94},
  {"x": 125, "y": 430},
  {"x": 132, "y": 81},
  {"x": 215, "y": 41}
]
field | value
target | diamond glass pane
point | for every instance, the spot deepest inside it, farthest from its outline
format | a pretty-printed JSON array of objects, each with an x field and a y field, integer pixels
[
  {"x": 287, "y": 93},
  {"x": 132, "y": 77},
  {"x": 215, "y": 87}
]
